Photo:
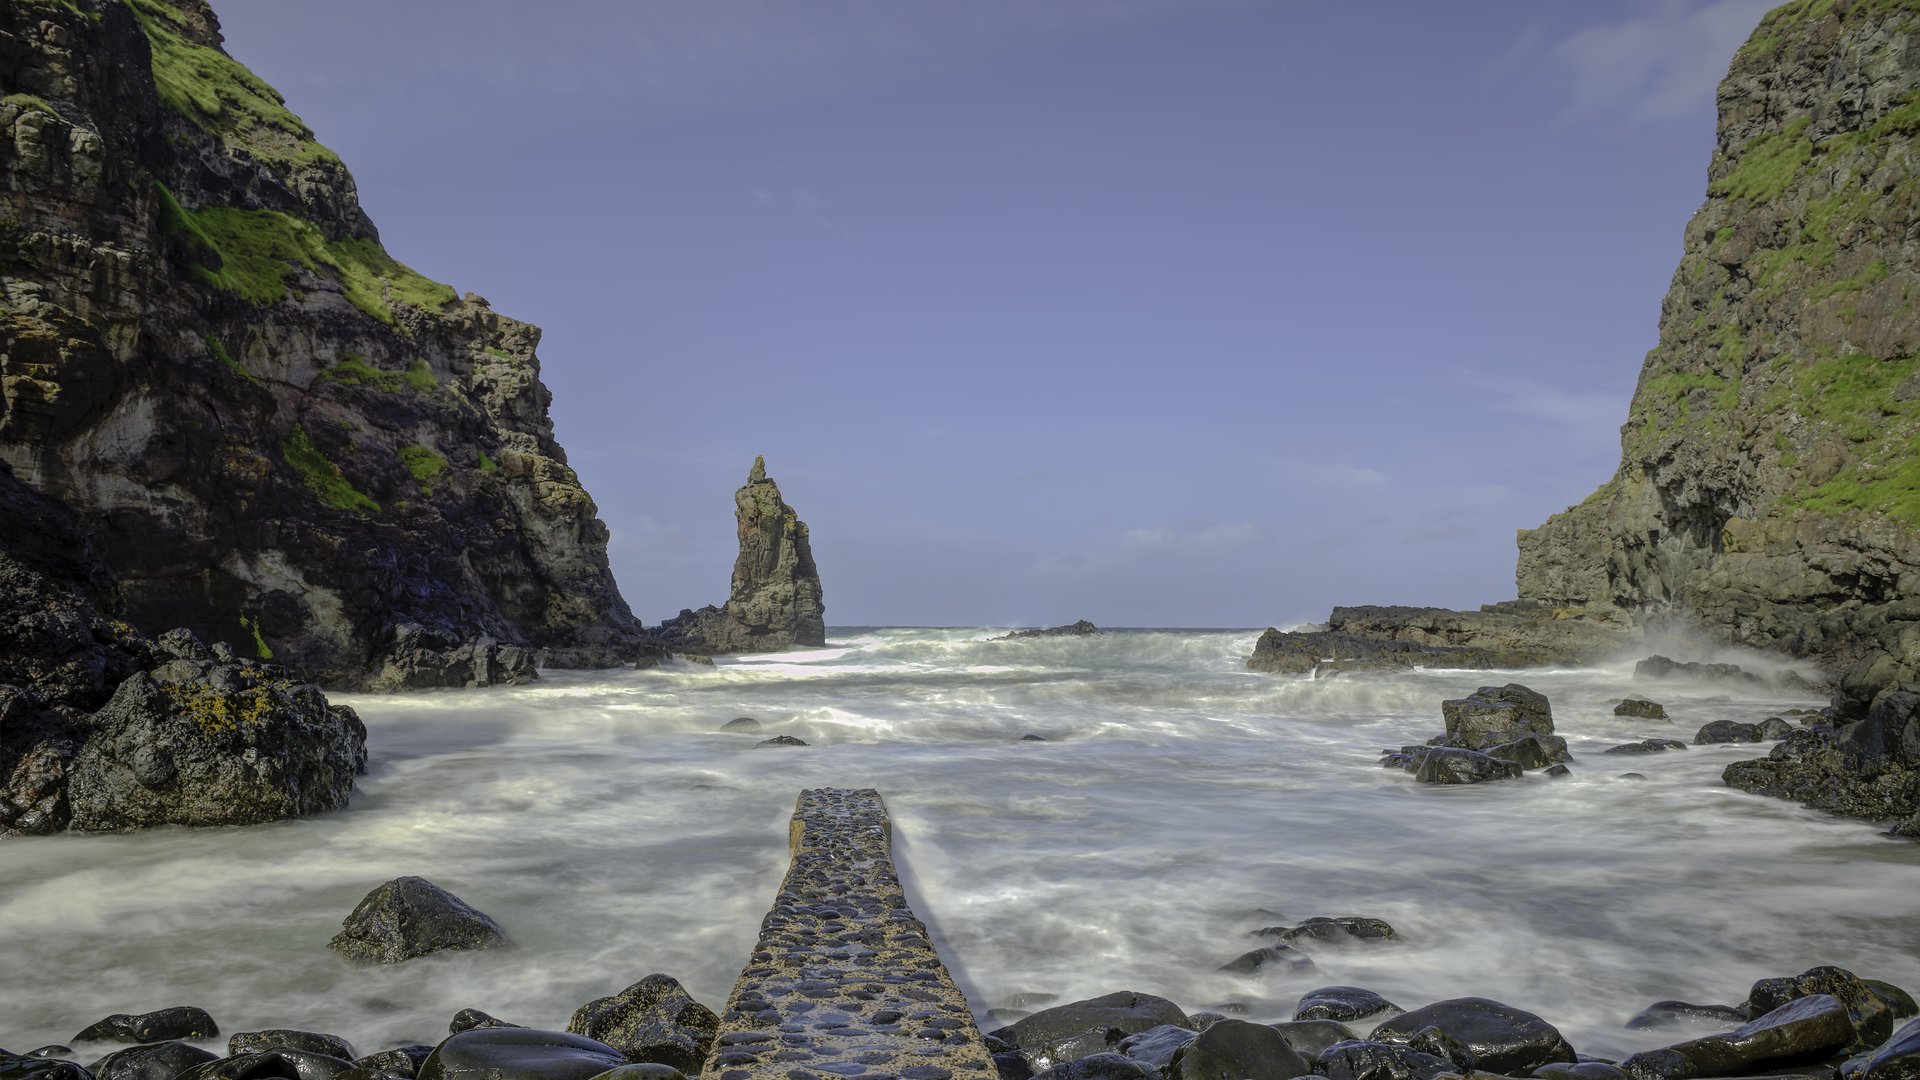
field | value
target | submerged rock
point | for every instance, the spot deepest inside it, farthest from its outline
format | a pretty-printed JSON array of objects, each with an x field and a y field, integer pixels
[
  {"x": 1337, "y": 929},
  {"x": 1271, "y": 958},
  {"x": 1726, "y": 731},
  {"x": 1447, "y": 765},
  {"x": 775, "y": 602},
  {"x": 1641, "y": 708},
  {"x": 178, "y": 1022},
  {"x": 409, "y": 917},
  {"x": 1646, "y": 746},
  {"x": 1083, "y": 628}
]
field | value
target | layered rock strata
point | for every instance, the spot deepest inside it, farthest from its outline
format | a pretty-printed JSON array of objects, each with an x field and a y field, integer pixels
[
  {"x": 277, "y": 435},
  {"x": 774, "y": 603},
  {"x": 844, "y": 980},
  {"x": 1375, "y": 638},
  {"x": 1769, "y": 485}
]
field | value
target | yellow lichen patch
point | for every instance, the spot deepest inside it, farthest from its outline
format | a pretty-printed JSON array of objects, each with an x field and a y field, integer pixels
[{"x": 217, "y": 712}]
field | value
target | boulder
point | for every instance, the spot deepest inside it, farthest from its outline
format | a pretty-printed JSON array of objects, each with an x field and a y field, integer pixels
[
  {"x": 1896, "y": 999},
  {"x": 741, "y": 723},
  {"x": 150, "y": 1061},
  {"x": 417, "y": 657},
  {"x": 1641, "y": 708},
  {"x": 1342, "y": 1004},
  {"x": 471, "y": 1019},
  {"x": 1157, "y": 1046},
  {"x": 1870, "y": 1013},
  {"x": 1448, "y": 765},
  {"x": 1773, "y": 729},
  {"x": 780, "y": 740},
  {"x": 1579, "y": 1070},
  {"x": 1101, "y": 1066},
  {"x": 1532, "y": 751},
  {"x": 1342, "y": 928},
  {"x": 1270, "y": 959},
  {"x": 401, "y": 1061},
  {"x": 1806, "y": 1029},
  {"x": 1309, "y": 1038},
  {"x": 1660, "y": 667},
  {"x": 517, "y": 1053},
  {"x": 409, "y": 917},
  {"x": 251, "y": 1042},
  {"x": 1493, "y": 715},
  {"x": 1501, "y": 1038},
  {"x": 1365, "y": 1059},
  {"x": 1238, "y": 1050},
  {"x": 654, "y": 1020},
  {"x": 1665, "y": 1013},
  {"x": 1726, "y": 731},
  {"x": 1899, "y": 1059},
  {"x": 1080, "y": 1028},
  {"x": 161, "y": 1025},
  {"x": 284, "y": 1064},
  {"x": 1646, "y": 746},
  {"x": 1083, "y": 628},
  {"x": 24, "y": 1067}
]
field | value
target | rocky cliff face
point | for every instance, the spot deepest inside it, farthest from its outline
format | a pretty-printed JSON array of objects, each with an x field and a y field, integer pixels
[
  {"x": 275, "y": 434},
  {"x": 1769, "y": 484},
  {"x": 775, "y": 600}
]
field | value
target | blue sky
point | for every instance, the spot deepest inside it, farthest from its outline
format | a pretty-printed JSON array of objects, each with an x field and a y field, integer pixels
[{"x": 1153, "y": 312}]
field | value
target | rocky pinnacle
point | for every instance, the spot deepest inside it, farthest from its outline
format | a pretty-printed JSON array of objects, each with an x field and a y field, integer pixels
[{"x": 775, "y": 600}]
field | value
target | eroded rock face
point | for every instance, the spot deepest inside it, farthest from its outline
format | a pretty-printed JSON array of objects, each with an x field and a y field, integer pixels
[
  {"x": 1381, "y": 638},
  {"x": 278, "y": 437},
  {"x": 775, "y": 600},
  {"x": 1766, "y": 480}
]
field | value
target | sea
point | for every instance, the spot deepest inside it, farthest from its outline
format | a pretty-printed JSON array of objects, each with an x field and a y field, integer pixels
[{"x": 1174, "y": 803}]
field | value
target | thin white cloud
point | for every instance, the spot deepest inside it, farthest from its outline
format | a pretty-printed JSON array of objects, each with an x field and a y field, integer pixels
[
  {"x": 1660, "y": 64},
  {"x": 1582, "y": 417},
  {"x": 1192, "y": 536},
  {"x": 1333, "y": 475}
]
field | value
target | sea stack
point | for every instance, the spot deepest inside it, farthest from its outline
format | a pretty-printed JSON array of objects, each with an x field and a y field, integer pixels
[{"x": 775, "y": 602}]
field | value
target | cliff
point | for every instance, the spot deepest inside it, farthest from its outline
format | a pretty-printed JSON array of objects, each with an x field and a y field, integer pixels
[
  {"x": 274, "y": 434},
  {"x": 775, "y": 602},
  {"x": 1769, "y": 481}
]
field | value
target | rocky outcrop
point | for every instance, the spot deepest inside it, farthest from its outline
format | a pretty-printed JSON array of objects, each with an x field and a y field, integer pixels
[
  {"x": 775, "y": 600},
  {"x": 1767, "y": 483},
  {"x": 101, "y": 728},
  {"x": 409, "y": 917},
  {"x": 278, "y": 436},
  {"x": 1082, "y": 628},
  {"x": 1375, "y": 638}
]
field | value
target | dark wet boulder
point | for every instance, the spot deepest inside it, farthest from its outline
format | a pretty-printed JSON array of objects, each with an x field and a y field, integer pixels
[
  {"x": 1558, "y": 771},
  {"x": 26, "y": 1067},
  {"x": 1493, "y": 715},
  {"x": 654, "y": 1020},
  {"x": 1157, "y": 1045},
  {"x": 252, "y": 1042},
  {"x": 416, "y": 657},
  {"x": 1899, "y": 1059},
  {"x": 1871, "y": 1015},
  {"x": 1338, "y": 929},
  {"x": 1773, "y": 729},
  {"x": 1896, "y": 999},
  {"x": 1641, "y": 708},
  {"x": 1647, "y": 746},
  {"x": 1365, "y": 1059},
  {"x": 1726, "y": 731},
  {"x": 472, "y": 1019},
  {"x": 161, "y": 1025},
  {"x": 1310, "y": 1037},
  {"x": 1101, "y": 1066},
  {"x": 1660, "y": 667},
  {"x": 401, "y": 1061},
  {"x": 1238, "y": 1050},
  {"x": 151, "y": 1061},
  {"x": 1267, "y": 960},
  {"x": 517, "y": 1053},
  {"x": 1080, "y": 1028},
  {"x": 1342, "y": 1004},
  {"x": 741, "y": 723},
  {"x": 271, "y": 1065},
  {"x": 1532, "y": 751},
  {"x": 409, "y": 917},
  {"x": 1501, "y": 1038},
  {"x": 1579, "y": 1070},
  {"x": 780, "y": 740},
  {"x": 1667, "y": 1013},
  {"x": 1806, "y": 1029},
  {"x": 52, "y": 1050},
  {"x": 1449, "y": 765}
]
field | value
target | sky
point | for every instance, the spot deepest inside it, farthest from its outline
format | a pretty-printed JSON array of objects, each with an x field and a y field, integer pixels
[{"x": 1151, "y": 312}]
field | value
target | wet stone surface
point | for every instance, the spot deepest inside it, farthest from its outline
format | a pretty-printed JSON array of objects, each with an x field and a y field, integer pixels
[{"x": 844, "y": 981}]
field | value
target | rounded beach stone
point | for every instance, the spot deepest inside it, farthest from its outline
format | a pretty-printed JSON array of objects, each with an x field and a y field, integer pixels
[
  {"x": 741, "y": 723},
  {"x": 1238, "y": 1049},
  {"x": 153, "y": 1061},
  {"x": 178, "y": 1022},
  {"x": 1341, "y": 1004},
  {"x": 516, "y": 1053},
  {"x": 313, "y": 1042},
  {"x": 409, "y": 917},
  {"x": 780, "y": 740},
  {"x": 654, "y": 1020},
  {"x": 1502, "y": 1039}
]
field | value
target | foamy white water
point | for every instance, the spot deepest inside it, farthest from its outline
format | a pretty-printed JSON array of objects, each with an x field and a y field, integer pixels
[{"x": 605, "y": 821}]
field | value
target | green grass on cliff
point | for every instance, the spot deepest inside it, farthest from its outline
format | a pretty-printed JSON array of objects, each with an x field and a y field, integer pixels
[
  {"x": 353, "y": 370},
  {"x": 28, "y": 101},
  {"x": 1767, "y": 165},
  {"x": 1809, "y": 10},
  {"x": 1855, "y": 397},
  {"x": 219, "y": 95},
  {"x": 322, "y": 476},
  {"x": 426, "y": 465},
  {"x": 256, "y": 254}
]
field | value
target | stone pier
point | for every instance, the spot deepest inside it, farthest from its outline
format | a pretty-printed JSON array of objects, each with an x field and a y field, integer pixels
[{"x": 844, "y": 981}]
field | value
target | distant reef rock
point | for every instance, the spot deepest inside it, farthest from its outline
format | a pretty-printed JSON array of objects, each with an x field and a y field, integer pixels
[
  {"x": 102, "y": 728},
  {"x": 775, "y": 601},
  {"x": 1374, "y": 638},
  {"x": 276, "y": 435},
  {"x": 1083, "y": 628}
]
